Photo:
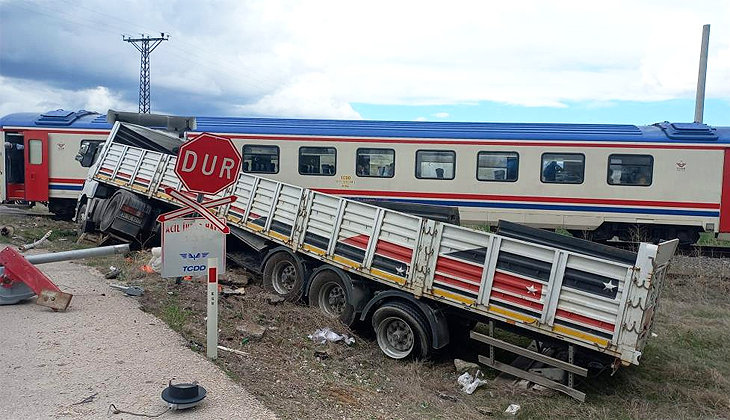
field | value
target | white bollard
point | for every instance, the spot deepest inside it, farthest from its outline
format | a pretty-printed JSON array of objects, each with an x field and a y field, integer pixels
[{"x": 212, "y": 344}]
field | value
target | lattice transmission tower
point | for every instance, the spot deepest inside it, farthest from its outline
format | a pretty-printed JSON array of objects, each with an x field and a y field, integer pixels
[{"x": 145, "y": 45}]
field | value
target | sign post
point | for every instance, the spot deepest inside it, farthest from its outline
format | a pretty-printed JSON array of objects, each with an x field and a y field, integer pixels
[
  {"x": 207, "y": 164},
  {"x": 212, "y": 334}
]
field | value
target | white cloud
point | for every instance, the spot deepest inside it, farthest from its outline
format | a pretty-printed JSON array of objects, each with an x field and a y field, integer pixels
[
  {"x": 420, "y": 119},
  {"x": 441, "y": 115},
  {"x": 24, "y": 96}
]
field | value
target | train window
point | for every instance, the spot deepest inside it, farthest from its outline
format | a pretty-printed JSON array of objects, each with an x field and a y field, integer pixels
[
  {"x": 376, "y": 163},
  {"x": 35, "y": 152},
  {"x": 317, "y": 161},
  {"x": 435, "y": 164},
  {"x": 630, "y": 170},
  {"x": 497, "y": 166},
  {"x": 261, "y": 159},
  {"x": 563, "y": 168}
]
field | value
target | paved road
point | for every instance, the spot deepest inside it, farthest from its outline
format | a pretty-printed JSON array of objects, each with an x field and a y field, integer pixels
[{"x": 104, "y": 345}]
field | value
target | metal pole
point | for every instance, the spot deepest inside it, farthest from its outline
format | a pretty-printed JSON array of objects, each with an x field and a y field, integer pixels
[
  {"x": 77, "y": 254},
  {"x": 702, "y": 76},
  {"x": 212, "y": 326}
]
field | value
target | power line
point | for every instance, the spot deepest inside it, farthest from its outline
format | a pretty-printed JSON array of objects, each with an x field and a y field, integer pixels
[{"x": 145, "y": 45}]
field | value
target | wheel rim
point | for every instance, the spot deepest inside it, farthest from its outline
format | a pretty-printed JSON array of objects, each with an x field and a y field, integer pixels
[
  {"x": 81, "y": 219},
  {"x": 395, "y": 338},
  {"x": 332, "y": 299},
  {"x": 284, "y": 278}
]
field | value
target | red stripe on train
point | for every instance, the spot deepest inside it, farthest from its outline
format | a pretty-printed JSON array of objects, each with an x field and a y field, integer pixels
[
  {"x": 66, "y": 180},
  {"x": 459, "y": 269},
  {"x": 517, "y": 285}
]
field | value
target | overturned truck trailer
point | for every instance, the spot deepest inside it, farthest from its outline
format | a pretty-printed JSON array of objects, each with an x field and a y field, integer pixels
[{"x": 420, "y": 283}]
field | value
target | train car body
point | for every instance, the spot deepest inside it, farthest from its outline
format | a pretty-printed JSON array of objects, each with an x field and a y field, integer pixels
[{"x": 660, "y": 181}]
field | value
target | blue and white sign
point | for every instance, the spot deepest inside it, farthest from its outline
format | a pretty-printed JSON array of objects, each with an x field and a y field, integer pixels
[{"x": 188, "y": 243}]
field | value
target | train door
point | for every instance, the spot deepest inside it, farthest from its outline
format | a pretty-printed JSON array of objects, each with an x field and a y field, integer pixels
[
  {"x": 14, "y": 166},
  {"x": 36, "y": 166}
]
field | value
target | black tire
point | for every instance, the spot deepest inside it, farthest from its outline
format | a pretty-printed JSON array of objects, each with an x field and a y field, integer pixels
[
  {"x": 111, "y": 210},
  {"x": 284, "y": 275},
  {"x": 401, "y": 331},
  {"x": 81, "y": 219},
  {"x": 328, "y": 292}
]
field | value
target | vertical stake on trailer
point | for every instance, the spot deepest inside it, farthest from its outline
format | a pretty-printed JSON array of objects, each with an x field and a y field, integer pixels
[{"x": 212, "y": 343}]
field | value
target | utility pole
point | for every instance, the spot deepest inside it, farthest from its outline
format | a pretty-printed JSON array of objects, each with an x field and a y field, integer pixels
[
  {"x": 145, "y": 45},
  {"x": 702, "y": 76}
]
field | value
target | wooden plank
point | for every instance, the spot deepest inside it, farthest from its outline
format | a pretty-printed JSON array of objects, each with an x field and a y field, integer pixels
[
  {"x": 533, "y": 378},
  {"x": 529, "y": 354}
]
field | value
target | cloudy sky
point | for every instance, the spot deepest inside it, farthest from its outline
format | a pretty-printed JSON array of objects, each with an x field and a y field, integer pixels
[{"x": 533, "y": 61}]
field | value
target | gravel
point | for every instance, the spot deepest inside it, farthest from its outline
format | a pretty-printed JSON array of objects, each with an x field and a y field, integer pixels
[{"x": 104, "y": 345}]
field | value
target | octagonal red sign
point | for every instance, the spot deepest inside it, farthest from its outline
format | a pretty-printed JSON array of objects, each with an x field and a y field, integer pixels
[{"x": 208, "y": 164}]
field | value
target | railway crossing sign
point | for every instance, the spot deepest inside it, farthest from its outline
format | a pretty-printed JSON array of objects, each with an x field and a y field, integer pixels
[
  {"x": 208, "y": 164},
  {"x": 187, "y": 245},
  {"x": 193, "y": 206}
]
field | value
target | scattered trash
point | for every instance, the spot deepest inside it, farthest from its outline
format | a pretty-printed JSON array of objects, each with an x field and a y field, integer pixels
[
  {"x": 113, "y": 273},
  {"x": 227, "y": 291},
  {"x": 654, "y": 334},
  {"x": 156, "y": 260},
  {"x": 36, "y": 243},
  {"x": 324, "y": 335},
  {"x": 7, "y": 231},
  {"x": 321, "y": 355},
  {"x": 512, "y": 409},
  {"x": 251, "y": 330},
  {"x": 129, "y": 290},
  {"x": 470, "y": 383},
  {"x": 485, "y": 411},
  {"x": 147, "y": 269},
  {"x": 447, "y": 397},
  {"x": 239, "y": 352},
  {"x": 87, "y": 400},
  {"x": 462, "y": 365},
  {"x": 273, "y": 299}
]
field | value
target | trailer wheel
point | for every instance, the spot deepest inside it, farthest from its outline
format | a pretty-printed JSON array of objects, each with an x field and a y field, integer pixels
[
  {"x": 81, "y": 219},
  {"x": 401, "y": 331},
  {"x": 329, "y": 293},
  {"x": 283, "y": 274}
]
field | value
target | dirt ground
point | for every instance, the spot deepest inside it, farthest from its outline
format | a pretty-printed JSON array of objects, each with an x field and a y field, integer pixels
[{"x": 683, "y": 374}]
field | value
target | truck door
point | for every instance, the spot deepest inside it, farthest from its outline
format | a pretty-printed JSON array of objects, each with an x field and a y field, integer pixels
[{"x": 36, "y": 166}]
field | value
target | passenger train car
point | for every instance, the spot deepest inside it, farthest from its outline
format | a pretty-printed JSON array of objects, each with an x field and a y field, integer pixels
[{"x": 659, "y": 181}]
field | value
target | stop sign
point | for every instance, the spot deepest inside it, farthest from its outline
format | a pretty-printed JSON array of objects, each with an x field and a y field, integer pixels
[{"x": 208, "y": 164}]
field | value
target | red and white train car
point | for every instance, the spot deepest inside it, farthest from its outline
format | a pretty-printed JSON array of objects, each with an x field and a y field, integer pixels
[{"x": 659, "y": 181}]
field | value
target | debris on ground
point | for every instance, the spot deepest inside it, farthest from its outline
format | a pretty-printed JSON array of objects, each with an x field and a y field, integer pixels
[
  {"x": 485, "y": 411},
  {"x": 445, "y": 396},
  {"x": 324, "y": 335},
  {"x": 129, "y": 290},
  {"x": 227, "y": 291},
  {"x": 512, "y": 409},
  {"x": 273, "y": 299},
  {"x": 239, "y": 352},
  {"x": 251, "y": 330},
  {"x": 321, "y": 355},
  {"x": 156, "y": 261},
  {"x": 147, "y": 269},
  {"x": 463, "y": 366},
  {"x": 470, "y": 383},
  {"x": 36, "y": 243},
  {"x": 7, "y": 231},
  {"x": 113, "y": 273},
  {"x": 87, "y": 400}
]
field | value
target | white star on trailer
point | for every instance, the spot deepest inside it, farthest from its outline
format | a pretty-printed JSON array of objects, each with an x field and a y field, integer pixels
[
  {"x": 400, "y": 269},
  {"x": 609, "y": 286},
  {"x": 531, "y": 289}
]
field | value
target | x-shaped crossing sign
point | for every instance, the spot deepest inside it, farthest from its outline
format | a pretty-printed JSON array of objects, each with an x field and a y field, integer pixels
[{"x": 193, "y": 206}]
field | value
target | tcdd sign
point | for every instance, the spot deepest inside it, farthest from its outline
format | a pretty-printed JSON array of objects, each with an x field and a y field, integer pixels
[{"x": 208, "y": 164}]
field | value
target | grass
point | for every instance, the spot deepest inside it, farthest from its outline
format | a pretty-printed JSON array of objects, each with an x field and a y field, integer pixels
[{"x": 684, "y": 371}]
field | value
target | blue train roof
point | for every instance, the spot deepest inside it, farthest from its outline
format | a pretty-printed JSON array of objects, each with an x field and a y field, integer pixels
[{"x": 660, "y": 132}]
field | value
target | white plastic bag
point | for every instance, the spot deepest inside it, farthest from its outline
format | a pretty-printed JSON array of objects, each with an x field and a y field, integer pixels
[
  {"x": 156, "y": 260},
  {"x": 324, "y": 335},
  {"x": 470, "y": 383}
]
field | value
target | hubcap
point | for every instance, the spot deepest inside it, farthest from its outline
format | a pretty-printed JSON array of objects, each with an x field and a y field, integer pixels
[
  {"x": 285, "y": 277},
  {"x": 332, "y": 299},
  {"x": 395, "y": 338}
]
